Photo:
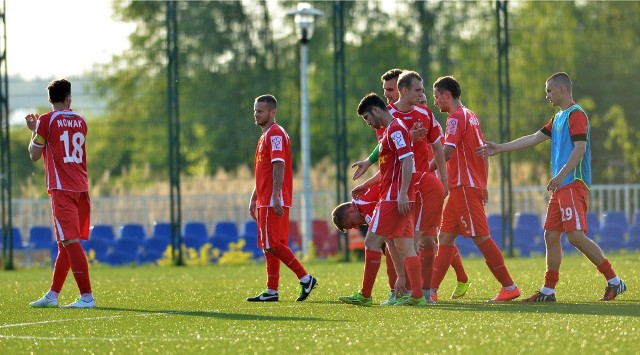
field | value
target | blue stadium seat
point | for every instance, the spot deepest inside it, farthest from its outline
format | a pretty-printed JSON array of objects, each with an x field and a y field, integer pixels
[
  {"x": 133, "y": 230},
  {"x": 195, "y": 234},
  {"x": 531, "y": 221},
  {"x": 593, "y": 224},
  {"x": 149, "y": 256},
  {"x": 40, "y": 237},
  {"x": 634, "y": 237},
  {"x": 129, "y": 245},
  {"x": 224, "y": 233},
  {"x": 155, "y": 244},
  {"x": 249, "y": 228},
  {"x": 18, "y": 242},
  {"x": 524, "y": 240},
  {"x": 194, "y": 241},
  {"x": 636, "y": 218},
  {"x": 119, "y": 258},
  {"x": 99, "y": 246},
  {"x": 615, "y": 218},
  {"x": 495, "y": 228},
  {"x": 612, "y": 237},
  {"x": 161, "y": 230},
  {"x": 466, "y": 247},
  {"x": 102, "y": 231},
  {"x": 251, "y": 245}
]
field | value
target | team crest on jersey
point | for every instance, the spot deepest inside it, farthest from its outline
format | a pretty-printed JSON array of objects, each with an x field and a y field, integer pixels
[
  {"x": 276, "y": 143},
  {"x": 452, "y": 126},
  {"x": 367, "y": 219},
  {"x": 398, "y": 140}
]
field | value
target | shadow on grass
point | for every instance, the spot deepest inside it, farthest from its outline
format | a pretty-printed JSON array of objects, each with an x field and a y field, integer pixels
[
  {"x": 219, "y": 315},
  {"x": 619, "y": 308}
]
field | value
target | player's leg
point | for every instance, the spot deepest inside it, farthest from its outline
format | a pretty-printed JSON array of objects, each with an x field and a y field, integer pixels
[
  {"x": 60, "y": 271},
  {"x": 372, "y": 258},
  {"x": 411, "y": 262}
]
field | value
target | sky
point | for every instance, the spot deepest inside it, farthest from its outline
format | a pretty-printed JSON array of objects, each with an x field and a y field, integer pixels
[{"x": 84, "y": 31}]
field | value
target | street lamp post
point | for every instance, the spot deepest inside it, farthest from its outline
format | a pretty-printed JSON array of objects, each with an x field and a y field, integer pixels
[{"x": 304, "y": 17}]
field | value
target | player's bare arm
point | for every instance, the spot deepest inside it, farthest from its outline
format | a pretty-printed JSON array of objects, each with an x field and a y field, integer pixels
[
  {"x": 579, "y": 148},
  {"x": 35, "y": 151},
  {"x": 491, "y": 148},
  {"x": 441, "y": 164},
  {"x": 403, "y": 196},
  {"x": 252, "y": 204},
  {"x": 278, "y": 178},
  {"x": 362, "y": 188},
  {"x": 418, "y": 132},
  {"x": 361, "y": 167}
]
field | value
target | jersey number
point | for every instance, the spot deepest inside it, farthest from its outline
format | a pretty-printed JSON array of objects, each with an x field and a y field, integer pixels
[
  {"x": 567, "y": 213},
  {"x": 77, "y": 140}
]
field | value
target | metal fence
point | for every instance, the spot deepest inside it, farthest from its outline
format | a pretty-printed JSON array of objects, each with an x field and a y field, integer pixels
[{"x": 211, "y": 208}]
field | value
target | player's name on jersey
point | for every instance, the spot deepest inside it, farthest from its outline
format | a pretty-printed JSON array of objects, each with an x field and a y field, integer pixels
[{"x": 77, "y": 123}]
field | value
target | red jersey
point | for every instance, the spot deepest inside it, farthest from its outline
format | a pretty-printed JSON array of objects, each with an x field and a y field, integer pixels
[
  {"x": 65, "y": 158},
  {"x": 421, "y": 149},
  {"x": 274, "y": 145},
  {"x": 366, "y": 202},
  {"x": 463, "y": 132},
  {"x": 395, "y": 145}
]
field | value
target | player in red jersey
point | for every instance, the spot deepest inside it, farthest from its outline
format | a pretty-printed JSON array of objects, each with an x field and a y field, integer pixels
[
  {"x": 570, "y": 136},
  {"x": 59, "y": 138},
  {"x": 464, "y": 212},
  {"x": 392, "y": 218},
  {"x": 271, "y": 200}
]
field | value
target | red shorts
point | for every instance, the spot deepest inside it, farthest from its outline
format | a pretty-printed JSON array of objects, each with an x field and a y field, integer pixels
[
  {"x": 429, "y": 203},
  {"x": 389, "y": 223},
  {"x": 464, "y": 213},
  {"x": 71, "y": 212},
  {"x": 567, "y": 209},
  {"x": 272, "y": 228}
]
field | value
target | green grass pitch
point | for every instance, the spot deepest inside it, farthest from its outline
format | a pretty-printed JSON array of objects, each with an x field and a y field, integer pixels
[{"x": 202, "y": 309}]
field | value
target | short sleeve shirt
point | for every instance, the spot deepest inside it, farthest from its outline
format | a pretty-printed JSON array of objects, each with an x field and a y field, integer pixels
[
  {"x": 366, "y": 202},
  {"x": 463, "y": 132},
  {"x": 273, "y": 146},
  {"x": 65, "y": 158},
  {"x": 395, "y": 145}
]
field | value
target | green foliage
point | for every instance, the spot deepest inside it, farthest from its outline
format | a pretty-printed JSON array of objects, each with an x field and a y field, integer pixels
[{"x": 202, "y": 309}]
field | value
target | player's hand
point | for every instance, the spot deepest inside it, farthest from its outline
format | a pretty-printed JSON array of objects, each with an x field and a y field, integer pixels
[
  {"x": 252, "y": 210},
  {"x": 361, "y": 168},
  {"x": 400, "y": 286},
  {"x": 418, "y": 132},
  {"x": 277, "y": 207},
  {"x": 31, "y": 120},
  {"x": 403, "y": 204},
  {"x": 358, "y": 190},
  {"x": 554, "y": 183},
  {"x": 485, "y": 196},
  {"x": 488, "y": 149}
]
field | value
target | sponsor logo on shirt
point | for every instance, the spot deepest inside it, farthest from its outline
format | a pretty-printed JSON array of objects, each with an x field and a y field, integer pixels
[
  {"x": 276, "y": 143},
  {"x": 398, "y": 140},
  {"x": 452, "y": 126}
]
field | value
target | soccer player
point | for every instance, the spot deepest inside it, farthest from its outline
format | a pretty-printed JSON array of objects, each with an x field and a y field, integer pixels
[
  {"x": 392, "y": 218},
  {"x": 271, "y": 200},
  {"x": 59, "y": 137},
  {"x": 464, "y": 212},
  {"x": 570, "y": 136}
]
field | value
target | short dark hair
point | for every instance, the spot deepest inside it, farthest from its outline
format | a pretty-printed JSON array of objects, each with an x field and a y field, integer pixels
[
  {"x": 405, "y": 79},
  {"x": 391, "y": 74},
  {"x": 370, "y": 101},
  {"x": 448, "y": 83},
  {"x": 563, "y": 79},
  {"x": 337, "y": 216},
  {"x": 59, "y": 90},
  {"x": 269, "y": 99}
]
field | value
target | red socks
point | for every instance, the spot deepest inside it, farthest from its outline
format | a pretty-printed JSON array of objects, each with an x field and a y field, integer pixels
[
  {"x": 60, "y": 269},
  {"x": 392, "y": 276},
  {"x": 551, "y": 278},
  {"x": 412, "y": 265},
  {"x": 456, "y": 264},
  {"x": 289, "y": 259},
  {"x": 441, "y": 264},
  {"x": 273, "y": 270},
  {"x": 427, "y": 256},
  {"x": 495, "y": 261},
  {"x": 79, "y": 266},
  {"x": 371, "y": 266},
  {"x": 606, "y": 269}
]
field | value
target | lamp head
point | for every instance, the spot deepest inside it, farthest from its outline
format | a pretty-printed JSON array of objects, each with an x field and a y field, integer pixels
[{"x": 304, "y": 18}]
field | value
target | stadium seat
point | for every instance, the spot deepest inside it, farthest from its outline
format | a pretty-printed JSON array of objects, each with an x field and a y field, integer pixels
[
  {"x": 612, "y": 237},
  {"x": 40, "y": 237},
  {"x": 99, "y": 246},
  {"x": 133, "y": 230},
  {"x": 161, "y": 230},
  {"x": 593, "y": 224},
  {"x": 18, "y": 242},
  {"x": 149, "y": 256},
  {"x": 251, "y": 245},
  {"x": 119, "y": 258},
  {"x": 195, "y": 234},
  {"x": 224, "y": 233},
  {"x": 531, "y": 221},
  {"x": 249, "y": 228},
  {"x": 155, "y": 244},
  {"x": 615, "y": 218},
  {"x": 102, "y": 231},
  {"x": 524, "y": 240},
  {"x": 636, "y": 218},
  {"x": 129, "y": 245},
  {"x": 634, "y": 237},
  {"x": 466, "y": 247}
]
